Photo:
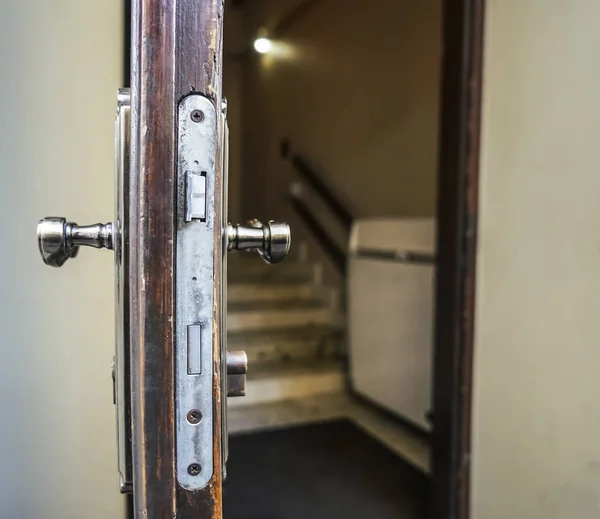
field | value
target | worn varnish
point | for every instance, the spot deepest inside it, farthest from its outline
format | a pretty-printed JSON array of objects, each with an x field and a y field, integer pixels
[
  {"x": 151, "y": 257},
  {"x": 198, "y": 68},
  {"x": 176, "y": 50}
]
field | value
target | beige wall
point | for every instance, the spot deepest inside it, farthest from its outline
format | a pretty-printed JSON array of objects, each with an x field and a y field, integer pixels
[
  {"x": 536, "y": 411},
  {"x": 355, "y": 89},
  {"x": 61, "y": 65}
]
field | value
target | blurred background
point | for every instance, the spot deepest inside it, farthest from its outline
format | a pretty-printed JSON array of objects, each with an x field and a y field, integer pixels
[
  {"x": 333, "y": 114},
  {"x": 333, "y": 110}
]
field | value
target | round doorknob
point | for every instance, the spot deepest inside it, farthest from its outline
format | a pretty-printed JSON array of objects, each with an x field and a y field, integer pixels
[
  {"x": 60, "y": 240},
  {"x": 271, "y": 240}
]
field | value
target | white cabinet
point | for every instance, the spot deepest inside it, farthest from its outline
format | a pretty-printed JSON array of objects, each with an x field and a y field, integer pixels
[{"x": 390, "y": 314}]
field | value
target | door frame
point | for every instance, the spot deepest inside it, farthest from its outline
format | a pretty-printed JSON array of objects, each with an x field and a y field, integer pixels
[
  {"x": 457, "y": 212},
  {"x": 457, "y": 215}
]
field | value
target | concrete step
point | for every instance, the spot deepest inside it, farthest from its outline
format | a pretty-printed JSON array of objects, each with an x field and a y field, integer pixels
[
  {"x": 259, "y": 272},
  {"x": 245, "y": 292},
  {"x": 270, "y": 315},
  {"x": 274, "y": 382},
  {"x": 235, "y": 258},
  {"x": 289, "y": 345}
]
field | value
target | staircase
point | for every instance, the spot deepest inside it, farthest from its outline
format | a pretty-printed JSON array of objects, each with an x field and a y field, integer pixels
[
  {"x": 289, "y": 324},
  {"x": 292, "y": 328}
]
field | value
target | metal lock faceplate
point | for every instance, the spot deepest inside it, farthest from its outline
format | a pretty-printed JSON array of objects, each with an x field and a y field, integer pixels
[
  {"x": 196, "y": 277},
  {"x": 195, "y": 273}
]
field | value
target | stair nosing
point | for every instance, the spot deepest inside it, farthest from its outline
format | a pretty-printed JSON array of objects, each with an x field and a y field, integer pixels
[
  {"x": 289, "y": 369},
  {"x": 306, "y": 330},
  {"x": 280, "y": 305}
]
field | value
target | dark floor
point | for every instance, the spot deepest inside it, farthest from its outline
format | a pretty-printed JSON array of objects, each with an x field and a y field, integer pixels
[{"x": 322, "y": 471}]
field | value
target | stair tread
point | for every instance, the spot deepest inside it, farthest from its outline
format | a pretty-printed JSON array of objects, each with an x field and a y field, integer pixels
[
  {"x": 281, "y": 276},
  {"x": 293, "y": 332},
  {"x": 268, "y": 283},
  {"x": 283, "y": 305},
  {"x": 259, "y": 264},
  {"x": 250, "y": 257},
  {"x": 278, "y": 369},
  {"x": 267, "y": 273}
]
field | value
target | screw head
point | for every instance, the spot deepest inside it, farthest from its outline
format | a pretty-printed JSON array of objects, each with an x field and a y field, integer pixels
[
  {"x": 194, "y": 417},
  {"x": 194, "y": 469},
  {"x": 197, "y": 116}
]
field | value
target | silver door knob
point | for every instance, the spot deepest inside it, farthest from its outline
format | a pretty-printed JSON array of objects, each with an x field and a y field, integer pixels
[
  {"x": 271, "y": 240},
  {"x": 60, "y": 240}
]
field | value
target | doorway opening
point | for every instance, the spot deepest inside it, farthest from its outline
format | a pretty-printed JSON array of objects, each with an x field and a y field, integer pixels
[{"x": 359, "y": 127}]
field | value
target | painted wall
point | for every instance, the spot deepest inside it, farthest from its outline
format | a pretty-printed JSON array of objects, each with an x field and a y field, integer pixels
[
  {"x": 355, "y": 89},
  {"x": 536, "y": 417},
  {"x": 61, "y": 65}
]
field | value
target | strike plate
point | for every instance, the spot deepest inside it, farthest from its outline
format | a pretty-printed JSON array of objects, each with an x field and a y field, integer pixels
[{"x": 197, "y": 145}]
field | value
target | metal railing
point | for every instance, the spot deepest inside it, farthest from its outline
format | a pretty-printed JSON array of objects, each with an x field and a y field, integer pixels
[
  {"x": 336, "y": 207},
  {"x": 406, "y": 256}
]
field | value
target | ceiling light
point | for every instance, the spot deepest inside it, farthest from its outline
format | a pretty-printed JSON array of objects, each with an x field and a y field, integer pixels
[{"x": 263, "y": 45}]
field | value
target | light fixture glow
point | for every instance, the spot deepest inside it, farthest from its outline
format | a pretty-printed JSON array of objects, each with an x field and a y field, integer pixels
[{"x": 263, "y": 45}]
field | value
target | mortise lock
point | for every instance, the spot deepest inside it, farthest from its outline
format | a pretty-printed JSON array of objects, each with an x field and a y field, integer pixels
[
  {"x": 199, "y": 150},
  {"x": 60, "y": 240},
  {"x": 271, "y": 240}
]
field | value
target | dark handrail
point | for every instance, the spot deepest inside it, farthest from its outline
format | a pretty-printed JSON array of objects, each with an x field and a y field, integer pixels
[
  {"x": 406, "y": 256},
  {"x": 336, "y": 254},
  {"x": 313, "y": 179}
]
